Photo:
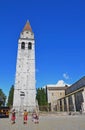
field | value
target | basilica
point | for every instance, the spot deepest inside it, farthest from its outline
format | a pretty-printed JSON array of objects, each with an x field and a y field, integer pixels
[{"x": 67, "y": 98}]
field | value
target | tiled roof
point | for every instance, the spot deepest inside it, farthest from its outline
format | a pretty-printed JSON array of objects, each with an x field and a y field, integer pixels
[
  {"x": 77, "y": 85},
  {"x": 27, "y": 27}
]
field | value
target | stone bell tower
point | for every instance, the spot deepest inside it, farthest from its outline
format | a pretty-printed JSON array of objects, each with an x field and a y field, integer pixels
[{"x": 25, "y": 91}]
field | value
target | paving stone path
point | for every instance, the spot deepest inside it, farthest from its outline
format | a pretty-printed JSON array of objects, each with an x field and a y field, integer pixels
[{"x": 47, "y": 122}]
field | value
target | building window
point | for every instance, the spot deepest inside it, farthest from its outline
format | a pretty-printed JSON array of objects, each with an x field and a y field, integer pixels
[
  {"x": 60, "y": 93},
  {"x": 19, "y": 66},
  {"x": 29, "y": 45},
  {"x": 22, "y": 45},
  {"x": 52, "y": 94}
]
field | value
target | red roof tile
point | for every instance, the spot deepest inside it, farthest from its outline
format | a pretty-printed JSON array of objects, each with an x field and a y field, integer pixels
[{"x": 27, "y": 27}]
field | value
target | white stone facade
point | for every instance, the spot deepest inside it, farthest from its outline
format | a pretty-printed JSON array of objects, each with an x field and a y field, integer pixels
[
  {"x": 25, "y": 90},
  {"x": 53, "y": 94}
]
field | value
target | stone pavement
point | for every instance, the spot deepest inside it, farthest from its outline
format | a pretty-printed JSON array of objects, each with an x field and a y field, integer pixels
[{"x": 47, "y": 122}]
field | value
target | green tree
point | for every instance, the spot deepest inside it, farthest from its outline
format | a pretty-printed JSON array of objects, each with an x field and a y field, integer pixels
[
  {"x": 2, "y": 98},
  {"x": 41, "y": 97},
  {"x": 10, "y": 97}
]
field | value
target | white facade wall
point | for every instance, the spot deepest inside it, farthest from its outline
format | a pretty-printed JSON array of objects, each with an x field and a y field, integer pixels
[{"x": 53, "y": 94}]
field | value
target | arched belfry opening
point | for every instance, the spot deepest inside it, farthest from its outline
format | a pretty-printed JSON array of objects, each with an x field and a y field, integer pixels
[
  {"x": 23, "y": 45},
  {"x": 29, "y": 45}
]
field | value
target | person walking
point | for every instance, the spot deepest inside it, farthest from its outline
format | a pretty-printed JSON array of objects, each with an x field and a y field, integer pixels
[
  {"x": 13, "y": 117},
  {"x": 35, "y": 117},
  {"x": 25, "y": 117}
]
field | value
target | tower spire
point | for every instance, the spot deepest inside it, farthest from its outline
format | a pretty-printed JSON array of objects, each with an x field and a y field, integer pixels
[{"x": 27, "y": 27}]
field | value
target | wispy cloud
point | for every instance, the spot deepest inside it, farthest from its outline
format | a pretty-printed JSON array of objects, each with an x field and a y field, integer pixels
[{"x": 66, "y": 76}]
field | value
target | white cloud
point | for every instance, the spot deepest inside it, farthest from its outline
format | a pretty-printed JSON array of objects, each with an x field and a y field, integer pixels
[
  {"x": 66, "y": 76},
  {"x": 60, "y": 83}
]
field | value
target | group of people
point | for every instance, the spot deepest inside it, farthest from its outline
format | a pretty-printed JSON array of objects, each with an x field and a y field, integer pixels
[{"x": 35, "y": 117}]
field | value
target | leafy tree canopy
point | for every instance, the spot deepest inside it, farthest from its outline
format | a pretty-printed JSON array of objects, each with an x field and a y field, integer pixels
[
  {"x": 41, "y": 97},
  {"x": 10, "y": 97},
  {"x": 2, "y": 98}
]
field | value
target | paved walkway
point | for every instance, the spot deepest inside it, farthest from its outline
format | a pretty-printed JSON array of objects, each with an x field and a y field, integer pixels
[{"x": 52, "y": 122}]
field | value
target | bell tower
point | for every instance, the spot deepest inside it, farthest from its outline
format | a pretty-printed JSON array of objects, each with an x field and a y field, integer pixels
[{"x": 25, "y": 91}]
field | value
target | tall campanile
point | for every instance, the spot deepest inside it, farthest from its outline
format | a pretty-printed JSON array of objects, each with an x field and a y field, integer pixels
[{"x": 25, "y": 91}]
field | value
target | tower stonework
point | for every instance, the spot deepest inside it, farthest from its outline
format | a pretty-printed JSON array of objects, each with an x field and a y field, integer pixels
[{"x": 24, "y": 90}]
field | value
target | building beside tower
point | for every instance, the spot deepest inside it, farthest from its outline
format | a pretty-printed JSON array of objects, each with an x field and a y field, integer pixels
[
  {"x": 74, "y": 99},
  {"x": 67, "y": 98},
  {"x": 25, "y": 90}
]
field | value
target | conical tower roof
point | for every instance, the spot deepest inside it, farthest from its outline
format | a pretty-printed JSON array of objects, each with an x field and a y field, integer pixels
[{"x": 27, "y": 27}]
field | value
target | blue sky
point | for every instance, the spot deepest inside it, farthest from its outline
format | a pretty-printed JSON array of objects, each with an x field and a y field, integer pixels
[{"x": 59, "y": 29}]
